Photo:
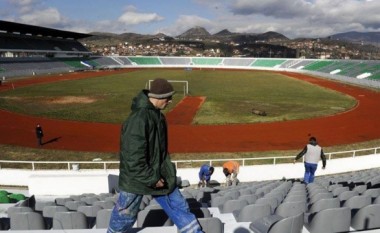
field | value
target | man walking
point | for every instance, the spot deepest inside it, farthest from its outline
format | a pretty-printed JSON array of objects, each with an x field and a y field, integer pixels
[
  {"x": 39, "y": 134},
  {"x": 313, "y": 154},
  {"x": 145, "y": 164}
]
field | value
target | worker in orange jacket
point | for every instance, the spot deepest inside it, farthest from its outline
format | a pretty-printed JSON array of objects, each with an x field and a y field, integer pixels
[{"x": 231, "y": 170}]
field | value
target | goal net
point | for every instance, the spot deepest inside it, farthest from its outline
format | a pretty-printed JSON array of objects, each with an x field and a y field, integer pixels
[{"x": 179, "y": 86}]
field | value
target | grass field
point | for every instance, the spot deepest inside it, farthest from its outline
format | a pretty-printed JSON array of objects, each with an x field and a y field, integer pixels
[{"x": 230, "y": 97}]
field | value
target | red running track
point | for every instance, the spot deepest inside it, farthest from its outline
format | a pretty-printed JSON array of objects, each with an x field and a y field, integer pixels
[{"x": 359, "y": 124}]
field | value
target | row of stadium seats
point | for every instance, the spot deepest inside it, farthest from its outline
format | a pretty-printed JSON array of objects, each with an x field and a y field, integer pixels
[{"x": 336, "y": 203}]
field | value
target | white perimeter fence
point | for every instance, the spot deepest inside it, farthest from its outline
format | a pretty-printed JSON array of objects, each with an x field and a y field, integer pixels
[{"x": 74, "y": 165}]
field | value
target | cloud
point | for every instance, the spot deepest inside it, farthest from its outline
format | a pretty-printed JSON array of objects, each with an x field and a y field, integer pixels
[
  {"x": 303, "y": 18},
  {"x": 273, "y": 8},
  {"x": 24, "y": 6},
  {"x": 45, "y": 17},
  {"x": 132, "y": 17}
]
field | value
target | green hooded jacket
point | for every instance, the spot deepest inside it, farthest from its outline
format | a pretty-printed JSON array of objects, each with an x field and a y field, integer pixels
[{"x": 144, "y": 157}]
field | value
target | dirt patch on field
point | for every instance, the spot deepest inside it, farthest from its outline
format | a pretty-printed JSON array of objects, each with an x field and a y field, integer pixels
[{"x": 72, "y": 100}]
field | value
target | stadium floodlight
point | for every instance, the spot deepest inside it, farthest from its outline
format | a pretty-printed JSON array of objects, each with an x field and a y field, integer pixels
[{"x": 177, "y": 85}]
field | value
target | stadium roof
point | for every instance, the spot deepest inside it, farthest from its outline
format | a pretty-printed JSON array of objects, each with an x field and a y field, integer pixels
[{"x": 12, "y": 27}]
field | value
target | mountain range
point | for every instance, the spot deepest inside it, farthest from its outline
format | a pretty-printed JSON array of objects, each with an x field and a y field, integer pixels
[{"x": 201, "y": 34}]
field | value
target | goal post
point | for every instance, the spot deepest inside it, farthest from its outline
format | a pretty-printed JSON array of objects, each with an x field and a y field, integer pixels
[{"x": 178, "y": 85}]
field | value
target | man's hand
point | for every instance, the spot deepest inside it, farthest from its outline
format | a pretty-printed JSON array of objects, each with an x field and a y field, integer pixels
[{"x": 160, "y": 183}]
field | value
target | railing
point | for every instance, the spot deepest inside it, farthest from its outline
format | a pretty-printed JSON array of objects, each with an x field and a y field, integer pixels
[{"x": 72, "y": 165}]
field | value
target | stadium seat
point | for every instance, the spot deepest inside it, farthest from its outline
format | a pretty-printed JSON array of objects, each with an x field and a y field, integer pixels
[
  {"x": 27, "y": 221},
  {"x": 288, "y": 209},
  {"x": 103, "y": 218},
  {"x": 73, "y": 205},
  {"x": 153, "y": 218},
  {"x": 16, "y": 209},
  {"x": 252, "y": 212},
  {"x": 330, "y": 220},
  {"x": 231, "y": 205},
  {"x": 91, "y": 213},
  {"x": 366, "y": 218},
  {"x": 69, "y": 220},
  {"x": 272, "y": 201},
  {"x": 62, "y": 200},
  {"x": 211, "y": 225},
  {"x": 201, "y": 212},
  {"x": 48, "y": 213},
  {"x": 105, "y": 204},
  {"x": 277, "y": 224},
  {"x": 39, "y": 206},
  {"x": 250, "y": 198}
]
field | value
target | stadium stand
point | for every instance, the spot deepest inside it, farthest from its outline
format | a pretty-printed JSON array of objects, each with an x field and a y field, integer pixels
[
  {"x": 276, "y": 206},
  {"x": 273, "y": 63},
  {"x": 27, "y": 50},
  {"x": 145, "y": 60},
  {"x": 202, "y": 61}
]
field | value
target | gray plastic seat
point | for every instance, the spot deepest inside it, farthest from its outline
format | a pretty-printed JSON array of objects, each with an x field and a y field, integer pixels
[
  {"x": 39, "y": 206},
  {"x": 48, "y": 213},
  {"x": 321, "y": 205},
  {"x": 90, "y": 199},
  {"x": 62, "y": 200},
  {"x": 27, "y": 221},
  {"x": 366, "y": 218},
  {"x": 18, "y": 209},
  {"x": 295, "y": 198},
  {"x": 76, "y": 197},
  {"x": 278, "y": 195},
  {"x": 288, "y": 209},
  {"x": 245, "y": 191},
  {"x": 344, "y": 196},
  {"x": 231, "y": 205},
  {"x": 91, "y": 213},
  {"x": 252, "y": 212},
  {"x": 201, "y": 212},
  {"x": 219, "y": 200},
  {"x": 251, "y": 198},
  {"x": 360, "y": 189},
  {"x": 211, "y": 225},
  {"x": 73, "y": 205},
  {"x": 373, "y": 193},
  {"x": 357, "y": 202},
  {"x": 272, "y": 201},
  {"x": 318, "y": 197},
  {"x": 277, "y": 224},
  {"x": 103, "y": 218},
  {"x": 153, "y": 218},
  {"x": 105, "y": 204},
  {"x": 69, "y": 220},
  {"x": 339, "y": 190},
  {"x": 330, "y": 220}
]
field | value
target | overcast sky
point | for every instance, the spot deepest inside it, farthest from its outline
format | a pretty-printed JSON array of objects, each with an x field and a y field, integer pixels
[{"x": 292, "y": 18}]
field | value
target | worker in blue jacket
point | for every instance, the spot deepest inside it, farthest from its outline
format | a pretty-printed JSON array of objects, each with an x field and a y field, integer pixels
[{"x": 205, "y": 175}]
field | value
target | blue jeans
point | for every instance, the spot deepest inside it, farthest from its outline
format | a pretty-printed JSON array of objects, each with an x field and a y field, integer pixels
[
  {"x": 124, "y": 214},
  {"x": 310, "y": 169},
  {"x": 176, "y": 207}
]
